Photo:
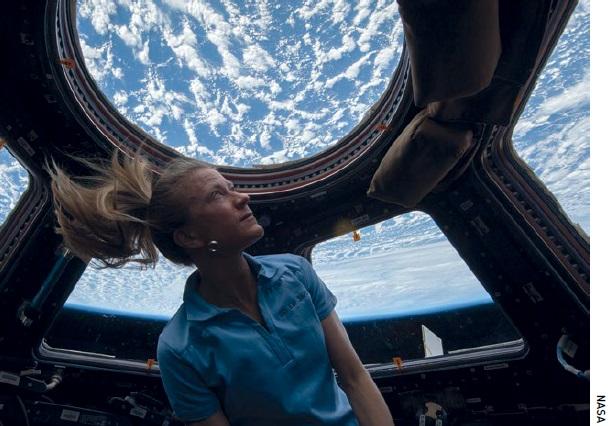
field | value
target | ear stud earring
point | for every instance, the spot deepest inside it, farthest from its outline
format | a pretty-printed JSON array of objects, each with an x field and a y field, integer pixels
[{"x": 213, "y": 247}]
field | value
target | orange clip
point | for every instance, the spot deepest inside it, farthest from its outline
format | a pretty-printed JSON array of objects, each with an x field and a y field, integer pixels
[
  {"x": 2, "y": 143},
  {"x": 398, "y": 362},
  {"x": 356, "y": 235},
  {"x": 382, "y": 127},
  {"x": 149, "y": 363},
  {"x": 68, "y": 62}
]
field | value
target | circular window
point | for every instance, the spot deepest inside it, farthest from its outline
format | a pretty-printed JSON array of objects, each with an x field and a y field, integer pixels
[{"x": 246, "y": 84}]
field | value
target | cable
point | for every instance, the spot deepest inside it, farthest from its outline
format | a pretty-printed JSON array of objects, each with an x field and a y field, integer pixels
[
  {"x": 56, "y": 379},
  {"x": 559, "y": 349},
  {"x": 25, "y": 411}
]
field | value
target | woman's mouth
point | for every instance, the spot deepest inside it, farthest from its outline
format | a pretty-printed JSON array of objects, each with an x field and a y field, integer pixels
[{"x": 247, "y": 217}]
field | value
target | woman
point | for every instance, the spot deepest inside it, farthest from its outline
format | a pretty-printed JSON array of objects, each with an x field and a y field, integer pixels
[{"x": 256, "y": 337}]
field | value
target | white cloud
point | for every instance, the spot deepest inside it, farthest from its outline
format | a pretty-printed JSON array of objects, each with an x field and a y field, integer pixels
[
  {"x": 215, "y": 118},
  {"x": 574, "y": 97},
  {"x": 158, "y": 105},
  {"x": 117, "y": 73},
  {"x": 143, "y": 54},
  {"x": 120, "y": 98},
  {"x": 383, "y": 59},
  {"x": 311, "y": 8},
  {"x": 247, "y": 82},
  {"x": 176, "y": 112},
  {"x": 348, "y": 45},
  {"x": 351, "y": 72},
  {"x": 131, "y": 39},
  {"x": 571, "y": 98},
  {"x": 340, "y": 11},
  {"x": 275, "y": 88},
  {"x": 276, "y": 158},
  {"x": 264, "y": 20},
  {"x": 99, "y": 61},
  {"x": 264, "y": 139},
  {"x": 218, "y": 32},
  {"x": 194, "y": 147},
  {"x": 99, "y": 12},
  {"x": 379, "y": 17},
  {"x": 257, "y": 58},
  {"x": 144, "y": 16},
  {"x": 184, "y": 46},
  {"x": 362, "y": 11}
]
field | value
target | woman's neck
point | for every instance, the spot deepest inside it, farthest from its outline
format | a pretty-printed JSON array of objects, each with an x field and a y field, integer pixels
[{"x": 227, "y": 281}]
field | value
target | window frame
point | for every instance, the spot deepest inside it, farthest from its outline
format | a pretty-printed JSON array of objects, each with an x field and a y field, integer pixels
[
  {"x": 274, "y": 182},
  {"x": 488, "y": 355},
  {"x": 23, "y": 218}
]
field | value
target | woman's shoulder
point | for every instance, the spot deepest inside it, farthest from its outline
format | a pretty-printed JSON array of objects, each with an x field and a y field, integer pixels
[
  {"x": 175, "y": 334},
  {"x": 184, "y": 341}
]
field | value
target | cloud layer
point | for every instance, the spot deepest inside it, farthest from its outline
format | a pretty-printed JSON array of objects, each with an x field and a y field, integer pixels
[
  {"x": 242, "y": 83},
  {"x": 553, "y": 133},
  {"x": 14, "y": 181}
]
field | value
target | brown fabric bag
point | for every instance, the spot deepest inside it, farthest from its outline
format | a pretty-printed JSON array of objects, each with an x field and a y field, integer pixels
[
  {"x": 522, "y": 25},
  {"x": 418, "y": 160},
  {"x": 454, "y": 46}
]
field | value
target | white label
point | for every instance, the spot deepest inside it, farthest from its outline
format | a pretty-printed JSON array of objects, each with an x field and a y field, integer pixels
[
  {"x": 570, "y": 348},
  {"x": 433, "y": 345},
  {"x": 10, "y": 379},
  {"x": 70, "y": 415},
  {"x": 138, "y": 412}
]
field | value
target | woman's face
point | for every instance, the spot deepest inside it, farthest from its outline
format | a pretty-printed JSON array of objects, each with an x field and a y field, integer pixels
[{"x": 217, "y": 212}]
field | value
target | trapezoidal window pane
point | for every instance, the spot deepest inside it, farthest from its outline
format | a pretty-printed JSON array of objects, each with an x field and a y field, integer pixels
[
  {"x": 131, "y": 291},
  {"x": 553, "y": 133},
  {"x": 119, "y": 312},
  {"x": 14, "y": 182},
  {"x": 403, "y": 291},
  {"x": 242, "y": 83}
]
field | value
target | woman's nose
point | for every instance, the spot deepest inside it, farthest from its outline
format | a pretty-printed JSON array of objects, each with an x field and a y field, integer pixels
[{"x": 243, "y": 198}]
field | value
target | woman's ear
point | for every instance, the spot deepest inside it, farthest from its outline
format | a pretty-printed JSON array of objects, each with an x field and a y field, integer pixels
[{"x": 185, "y": 239}]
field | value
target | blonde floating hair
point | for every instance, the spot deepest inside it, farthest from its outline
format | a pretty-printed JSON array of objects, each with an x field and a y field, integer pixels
[{"x": 122, "y": 211}]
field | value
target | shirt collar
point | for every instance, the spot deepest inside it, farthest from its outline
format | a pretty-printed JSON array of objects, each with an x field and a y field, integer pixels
[{"x": 198, "y": 309}]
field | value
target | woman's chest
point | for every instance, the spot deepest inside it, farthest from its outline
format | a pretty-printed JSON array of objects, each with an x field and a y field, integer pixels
[{"x": 281, "y": 333}]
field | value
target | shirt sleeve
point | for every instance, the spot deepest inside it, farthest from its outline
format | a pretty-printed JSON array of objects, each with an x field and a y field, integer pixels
[
  {"x": 324, "y": 300},
  {"x": 189, "y": 396}
]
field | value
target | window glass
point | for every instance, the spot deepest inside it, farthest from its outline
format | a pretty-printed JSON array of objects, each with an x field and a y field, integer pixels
[
  {"x": 131, "y": 291},
  {"x": 119, "y": 312},
  {"x": 553, "y": 133},
  {"x": 242, "y": 83},
  {"x": 403, "y": 291},
  {"x": 14, "y": 181}
]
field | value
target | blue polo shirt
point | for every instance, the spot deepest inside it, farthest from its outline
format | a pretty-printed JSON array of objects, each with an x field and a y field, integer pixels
[{"x": 219, "y": 358}]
